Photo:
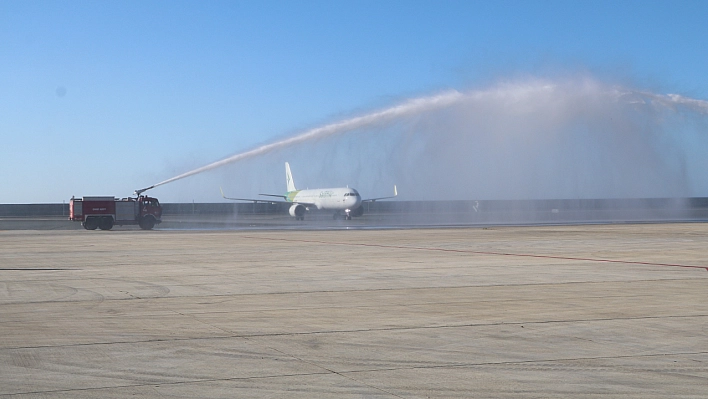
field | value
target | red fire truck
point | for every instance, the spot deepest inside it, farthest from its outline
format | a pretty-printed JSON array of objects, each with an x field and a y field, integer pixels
[{"x": 106, "y": 212}]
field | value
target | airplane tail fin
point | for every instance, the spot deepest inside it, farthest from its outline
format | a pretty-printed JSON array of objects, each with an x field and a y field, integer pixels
[{"x": 289, "y": 178}]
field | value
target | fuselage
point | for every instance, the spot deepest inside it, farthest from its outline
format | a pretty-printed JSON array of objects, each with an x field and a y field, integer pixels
[{"x": 336, "y": 199}]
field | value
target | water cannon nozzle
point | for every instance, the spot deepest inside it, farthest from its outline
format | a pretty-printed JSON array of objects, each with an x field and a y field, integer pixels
[{"x": 142, "y": 190}]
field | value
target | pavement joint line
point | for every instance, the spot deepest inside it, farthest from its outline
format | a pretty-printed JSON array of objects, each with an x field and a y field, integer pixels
[
  {"x": 398, "y": 305},
  {"x": 21, "y": 269},
  {"x": 534, "y": 361},
  {"x": 169, "y": 297},
  {"x": 384, "y": 329},
  {"x": 374, "y": 290},
  {"x": 342, "y": 373},
  {"x": 463, "y": 251},
  {"x": 501, "y": 323},
  {"x": 158, "y": 384}
]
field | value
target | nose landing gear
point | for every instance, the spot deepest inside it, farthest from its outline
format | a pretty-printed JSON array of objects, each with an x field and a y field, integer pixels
[{"x": 346, "y": 216}]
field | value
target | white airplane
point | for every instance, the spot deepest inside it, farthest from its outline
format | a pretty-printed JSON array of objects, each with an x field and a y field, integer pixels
[{"x": 343, "y": 201}]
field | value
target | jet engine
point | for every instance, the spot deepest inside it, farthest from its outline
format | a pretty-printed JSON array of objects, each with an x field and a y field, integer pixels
[{"x": 297, "y": 211}]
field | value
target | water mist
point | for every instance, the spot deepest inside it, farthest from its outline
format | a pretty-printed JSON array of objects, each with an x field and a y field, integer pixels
[{"x": 528, "y": 139}]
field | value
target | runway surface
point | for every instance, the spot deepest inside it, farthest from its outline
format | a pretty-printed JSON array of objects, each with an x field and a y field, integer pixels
[{"x": 525, "y": 312}]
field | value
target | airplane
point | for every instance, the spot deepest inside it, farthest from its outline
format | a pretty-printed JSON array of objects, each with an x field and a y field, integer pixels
[{"x": 345, "y": 202}]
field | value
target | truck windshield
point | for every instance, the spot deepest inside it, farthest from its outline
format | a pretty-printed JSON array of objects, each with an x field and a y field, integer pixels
[{"x": 151, "y": 202}]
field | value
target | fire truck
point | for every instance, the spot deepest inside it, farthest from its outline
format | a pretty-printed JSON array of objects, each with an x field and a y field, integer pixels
[{"x": 105, "y": 212}]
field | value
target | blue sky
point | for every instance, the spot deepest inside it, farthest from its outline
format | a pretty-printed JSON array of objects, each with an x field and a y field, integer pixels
[{"x": 101, "y": 98}]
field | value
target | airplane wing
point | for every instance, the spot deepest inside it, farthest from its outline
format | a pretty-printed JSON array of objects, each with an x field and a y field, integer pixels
[
  {"x": 275, "y": 195},
  {"x": 395, "y": 194},
  {"x": 283, "y": 201},
  {"x": 252, "y": 199}
]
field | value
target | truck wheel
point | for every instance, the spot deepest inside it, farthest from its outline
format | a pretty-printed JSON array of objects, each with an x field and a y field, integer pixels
[
  {"x": 147, "y": 223},
  {"x": 90, "y": 223},
  {"x": 105, "y": 223}
]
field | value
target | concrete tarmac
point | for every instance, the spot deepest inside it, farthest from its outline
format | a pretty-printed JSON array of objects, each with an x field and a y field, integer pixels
[{"x": 593, "y": 311}]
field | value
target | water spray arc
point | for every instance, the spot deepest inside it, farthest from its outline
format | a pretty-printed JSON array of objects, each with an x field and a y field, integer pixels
[
  {"x": 410, "y": 107},
  {"x": 573, "y": 138}
]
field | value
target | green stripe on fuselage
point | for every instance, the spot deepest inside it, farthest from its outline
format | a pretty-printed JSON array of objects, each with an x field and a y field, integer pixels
[{"x": 290, "y": 196}]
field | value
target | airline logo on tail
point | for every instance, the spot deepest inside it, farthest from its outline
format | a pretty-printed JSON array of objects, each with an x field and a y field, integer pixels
[{"x": 289, "y": 178}]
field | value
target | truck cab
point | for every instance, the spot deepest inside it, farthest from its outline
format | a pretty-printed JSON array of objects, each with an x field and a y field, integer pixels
[{"x": 150, "y": 212}]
